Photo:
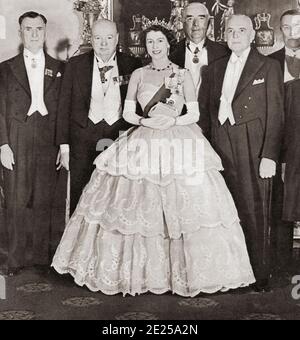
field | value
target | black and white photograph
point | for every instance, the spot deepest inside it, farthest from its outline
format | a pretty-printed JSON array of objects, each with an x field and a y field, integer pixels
[{"x": 149, "y": 162}]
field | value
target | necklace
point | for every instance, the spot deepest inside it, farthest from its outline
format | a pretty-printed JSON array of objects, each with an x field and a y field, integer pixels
[{"x": 160, "y": 69}]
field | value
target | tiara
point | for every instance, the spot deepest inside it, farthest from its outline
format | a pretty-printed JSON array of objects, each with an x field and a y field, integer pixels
[{"x": 147, "y": 23}]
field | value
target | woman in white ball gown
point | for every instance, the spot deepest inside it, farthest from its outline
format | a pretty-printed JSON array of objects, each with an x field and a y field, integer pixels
[{"x": 156, "y": 215}]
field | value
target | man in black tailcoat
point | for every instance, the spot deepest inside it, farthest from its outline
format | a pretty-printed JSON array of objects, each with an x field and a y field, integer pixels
[
  {"x": 34, "y": 192},
  {"x": 243, "y": 98},
  {"x": 93, "y": 93}
]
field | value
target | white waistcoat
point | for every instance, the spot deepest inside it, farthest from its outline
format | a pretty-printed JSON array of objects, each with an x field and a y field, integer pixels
[
  {"x": 105, "y": 106},
  {"x": 36, "y": 81}
]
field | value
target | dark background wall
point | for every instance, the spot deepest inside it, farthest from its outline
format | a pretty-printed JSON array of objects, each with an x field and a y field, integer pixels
[
  {"x": 274, "y": 7},
  {"x": 65, "y": 24},
  {"x": 125, "y": 9}
]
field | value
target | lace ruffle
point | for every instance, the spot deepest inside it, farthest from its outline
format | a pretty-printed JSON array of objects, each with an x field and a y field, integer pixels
[
  {"x": 206, "y": 261},
  {"x": 152, "y": 210}
]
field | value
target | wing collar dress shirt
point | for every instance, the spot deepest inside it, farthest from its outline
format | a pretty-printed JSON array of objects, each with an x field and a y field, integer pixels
[{"x": 233, "y": 74}]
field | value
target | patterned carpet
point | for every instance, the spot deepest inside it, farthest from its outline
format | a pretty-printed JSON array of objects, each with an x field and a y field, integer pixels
[{"x": 31, "y": 296}]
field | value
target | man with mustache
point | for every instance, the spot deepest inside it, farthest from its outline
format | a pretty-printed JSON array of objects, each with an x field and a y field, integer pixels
[
  {"x": 289, "y": 58},
  {"x": 289, "y": 55}
]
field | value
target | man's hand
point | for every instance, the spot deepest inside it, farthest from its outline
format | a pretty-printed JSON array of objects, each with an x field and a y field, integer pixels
[
  {"x": 267, "y": 168},
  {"x": 7, "y": 157},
  {"x": 63, "y": 160},
  {"x": 159, "y": 122}
]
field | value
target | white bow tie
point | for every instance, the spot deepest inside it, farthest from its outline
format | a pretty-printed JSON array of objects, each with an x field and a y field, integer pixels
[
  {"x": 234, "y": 59},
  {"x": 195, "y": 49},
  {"x": 102, "y": 65}
]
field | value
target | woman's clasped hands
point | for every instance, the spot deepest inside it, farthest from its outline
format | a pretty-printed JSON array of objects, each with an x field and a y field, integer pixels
[{"x": 159, "y": 122}]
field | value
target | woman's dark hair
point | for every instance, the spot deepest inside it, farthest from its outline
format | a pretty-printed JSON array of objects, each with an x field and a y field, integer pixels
[
  {"x": 157, "y": 28},
  {"x": 32, "y": 15}
]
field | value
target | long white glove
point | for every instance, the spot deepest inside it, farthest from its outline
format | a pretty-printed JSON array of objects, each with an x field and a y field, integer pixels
[
  {"x": 129, "y": 113},
  {"x": 192, "y": 116}
]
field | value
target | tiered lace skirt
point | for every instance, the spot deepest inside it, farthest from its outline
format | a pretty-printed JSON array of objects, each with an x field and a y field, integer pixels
[{"x": 156, "y": 231}]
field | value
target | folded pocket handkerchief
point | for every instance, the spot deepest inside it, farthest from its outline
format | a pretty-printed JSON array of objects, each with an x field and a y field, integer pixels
[{"x": 258, "y": 81}]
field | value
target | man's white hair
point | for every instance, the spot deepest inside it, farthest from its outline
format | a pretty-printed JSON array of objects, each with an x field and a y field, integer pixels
[{"x": 247, "y": 19}]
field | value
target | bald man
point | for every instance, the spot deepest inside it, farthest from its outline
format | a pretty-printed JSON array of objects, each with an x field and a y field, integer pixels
[
  {"x": 90, "y": 109},
  {"x": 243, "y": 98}
]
